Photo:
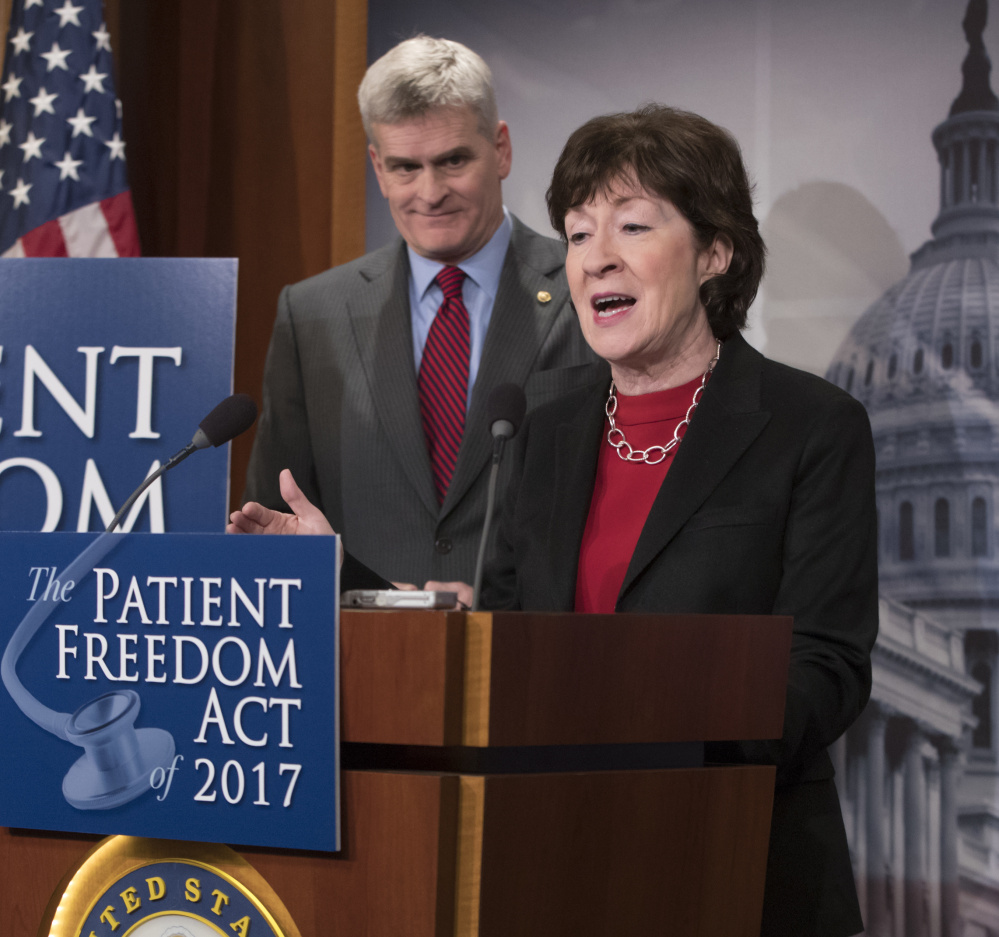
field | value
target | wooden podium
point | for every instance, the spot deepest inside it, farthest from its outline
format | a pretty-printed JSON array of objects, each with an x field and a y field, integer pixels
[{"x": 520, "y": 775}]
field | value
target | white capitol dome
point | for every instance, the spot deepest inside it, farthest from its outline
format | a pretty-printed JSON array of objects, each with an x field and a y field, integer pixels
[{"x": 924, "y": 360}]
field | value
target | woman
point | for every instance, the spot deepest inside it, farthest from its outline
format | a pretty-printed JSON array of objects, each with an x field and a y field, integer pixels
[
  {"x": 767, "y": 505},
  {"x": 704, "y": 478}
]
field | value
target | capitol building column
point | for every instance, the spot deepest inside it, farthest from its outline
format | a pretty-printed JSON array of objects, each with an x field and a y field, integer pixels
[
  {"x": 915, "y": 824},
  {"x": 950, "y": 772},
  {"x": 877, "y": 919},
  {"x": 965, "y": 194}
]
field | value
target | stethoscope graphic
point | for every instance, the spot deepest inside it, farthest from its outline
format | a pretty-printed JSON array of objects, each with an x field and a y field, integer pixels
[{"x": 117, "y": 758}]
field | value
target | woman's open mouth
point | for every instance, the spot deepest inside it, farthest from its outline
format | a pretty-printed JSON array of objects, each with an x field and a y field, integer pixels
[{"x": 610, "y": 304}]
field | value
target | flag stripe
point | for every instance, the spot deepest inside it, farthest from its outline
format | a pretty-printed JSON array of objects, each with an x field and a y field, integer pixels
[
  {"x": 120, "y": 218},
  {"x": 45, "y": 241},
  {"x": 86, "y": 232},
  {"x": 15, "y": 250}
]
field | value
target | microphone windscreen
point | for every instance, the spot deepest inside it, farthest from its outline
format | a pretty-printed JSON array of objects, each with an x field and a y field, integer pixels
[
  {"x": 232, "y": 416},
  {"x": 508, "y": 404}
]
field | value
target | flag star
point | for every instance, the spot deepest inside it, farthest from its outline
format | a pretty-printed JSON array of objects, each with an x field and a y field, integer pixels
[
  {"x": 1, "y": 177},
  {"x": 117, "y": 146},
  {"x": 93, "y": 80},
  {"x": 32, "y": 3},
  {"x": 5, "y": 130},
  {"x": 56, "y": 58},
  {"x": 67, "y": 167},
  {"x": 32, "y": 146},
  {"x": 43, "y": 102},
  {"x": 12, "y": 88},
  {"x": 68, "y": 13},
  {"x": 21, "y": 41},
  {"x": 117, "y": 107},
  {"x": 20, "y": 193},
  {"x": 81, "y": 124},
  {"x": 103, "y": 38}
]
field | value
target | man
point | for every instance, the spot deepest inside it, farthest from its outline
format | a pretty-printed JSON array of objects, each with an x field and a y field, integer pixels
[{"x": 378, "y": 373}]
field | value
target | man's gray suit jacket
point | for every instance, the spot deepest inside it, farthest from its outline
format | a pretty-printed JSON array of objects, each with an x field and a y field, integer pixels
[{"x": 340, "y": 404}]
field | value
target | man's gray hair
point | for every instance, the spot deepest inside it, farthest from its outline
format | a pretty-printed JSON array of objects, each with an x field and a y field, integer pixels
[{"x": 423, "y": 74}]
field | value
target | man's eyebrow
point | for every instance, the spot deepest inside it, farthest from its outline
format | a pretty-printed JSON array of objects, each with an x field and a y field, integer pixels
[
  {"x": 393, "y": 161},
  {"x": 450, "y": 154}
]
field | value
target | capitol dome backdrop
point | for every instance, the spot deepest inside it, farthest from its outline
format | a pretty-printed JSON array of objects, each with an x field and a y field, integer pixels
[{"x": 919, "y": 773}]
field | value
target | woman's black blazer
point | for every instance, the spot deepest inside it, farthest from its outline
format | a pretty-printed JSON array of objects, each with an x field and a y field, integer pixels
[{"x": 768, "y": 508}]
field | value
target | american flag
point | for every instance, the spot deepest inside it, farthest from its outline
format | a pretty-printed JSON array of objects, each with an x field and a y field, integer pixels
[{"x": 63, "y": 186}]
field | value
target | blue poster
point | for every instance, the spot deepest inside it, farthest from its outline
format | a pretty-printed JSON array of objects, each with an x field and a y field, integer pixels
[
  {"x": 181, "y": 686},
  {"x": 106, "y": 369}
]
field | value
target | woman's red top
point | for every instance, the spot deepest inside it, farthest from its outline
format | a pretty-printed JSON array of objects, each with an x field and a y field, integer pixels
[{"x": 624, "y": 492}]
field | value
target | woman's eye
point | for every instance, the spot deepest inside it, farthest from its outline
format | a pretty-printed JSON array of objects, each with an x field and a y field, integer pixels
[
  {"x": 635, "y": 228},
  {"x": 577, "y": 238}
]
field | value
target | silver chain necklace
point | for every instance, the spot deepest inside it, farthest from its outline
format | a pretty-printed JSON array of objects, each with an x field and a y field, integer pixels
[{"x": 654, "y": 454}]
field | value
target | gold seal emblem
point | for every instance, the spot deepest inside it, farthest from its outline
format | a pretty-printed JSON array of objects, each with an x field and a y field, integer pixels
[
  {"x": 165, "y": 888},
  {"x": 544, "y": 296}
]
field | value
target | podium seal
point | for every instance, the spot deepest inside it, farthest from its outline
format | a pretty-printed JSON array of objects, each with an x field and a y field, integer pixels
[{"x": 132, "y": 887}]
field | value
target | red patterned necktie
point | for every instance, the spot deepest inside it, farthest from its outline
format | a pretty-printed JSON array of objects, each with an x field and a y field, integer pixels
[{"x": 443, "y": 381}]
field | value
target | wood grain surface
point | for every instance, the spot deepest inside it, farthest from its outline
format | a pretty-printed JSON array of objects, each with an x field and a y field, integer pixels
[
  {"x": 591, "y": 679},
  {"x": 518, "y": 678},
  {"x": 651, "y": 852},
  {"x": 401, "y": 676}
]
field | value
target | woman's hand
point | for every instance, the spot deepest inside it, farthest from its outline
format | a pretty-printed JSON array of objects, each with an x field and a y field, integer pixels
[{"x": 254, "y": 518}]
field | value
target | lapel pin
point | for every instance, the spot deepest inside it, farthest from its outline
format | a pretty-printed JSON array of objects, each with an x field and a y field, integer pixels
[{"x": 544, "y": 296}]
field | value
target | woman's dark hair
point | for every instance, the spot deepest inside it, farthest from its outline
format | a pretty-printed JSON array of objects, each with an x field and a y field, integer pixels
[{"x": 687, "y": 160}]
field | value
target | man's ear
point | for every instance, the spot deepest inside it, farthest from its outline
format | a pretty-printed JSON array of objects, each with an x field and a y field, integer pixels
[{"x": 504, "y": 151}]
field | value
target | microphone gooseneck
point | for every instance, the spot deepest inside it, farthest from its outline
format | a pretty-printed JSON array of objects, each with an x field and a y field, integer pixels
[
  {"x": 506, "y": 408},
  {"x": 232, "y": 416}
]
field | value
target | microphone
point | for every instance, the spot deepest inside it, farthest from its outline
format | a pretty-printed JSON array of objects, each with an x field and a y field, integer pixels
[
  {"x": 506, "y": 407},
  {"x": 232, "y": 416}
]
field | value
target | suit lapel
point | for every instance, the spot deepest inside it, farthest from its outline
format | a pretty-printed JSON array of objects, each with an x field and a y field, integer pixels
[
  {"x": 380, "y": 317},
  {"x": 576, "y": 450},
  {"x": 518, "y": 327},
  {"x": 725, "y": 424}
]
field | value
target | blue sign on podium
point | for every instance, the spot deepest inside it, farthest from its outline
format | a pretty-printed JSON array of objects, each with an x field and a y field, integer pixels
[
  {"x": 182, "y": 686},
  {"x": 106, "y": 369}
]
